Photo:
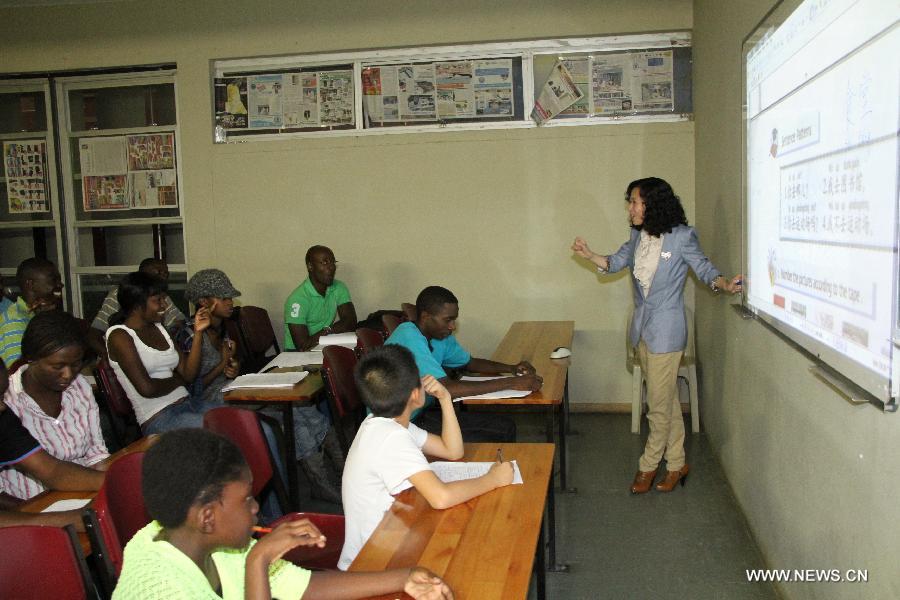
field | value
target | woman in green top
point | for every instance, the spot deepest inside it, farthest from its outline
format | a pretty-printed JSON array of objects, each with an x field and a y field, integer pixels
[{"x": 197, "y": 486}]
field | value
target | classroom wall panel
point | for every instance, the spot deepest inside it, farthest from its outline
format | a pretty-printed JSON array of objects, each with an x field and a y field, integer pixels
[
  {"x": 817, "y": 477},
  {"x": 489, "y": 214}
]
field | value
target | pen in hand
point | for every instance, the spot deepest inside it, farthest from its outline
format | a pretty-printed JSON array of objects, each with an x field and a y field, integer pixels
[{"x": 499, "y": 455}]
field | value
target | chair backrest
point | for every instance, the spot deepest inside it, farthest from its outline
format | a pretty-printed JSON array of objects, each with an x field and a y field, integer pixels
[
  {"x": 112, "y": 390},
  {"x": 43, "y": 562},
  {"x": 257, "y": 336},
  {"x": 242, "y": 427},
  {"x": 368, "y": 339},
  {"x": 347, "y": 409},
  {"x": 390, "y": 323}
]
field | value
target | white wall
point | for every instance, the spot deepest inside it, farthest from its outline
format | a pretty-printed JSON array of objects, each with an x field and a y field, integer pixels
[
  {"x": 818, "y": 479},
  {"x": 488, "y": 214}
]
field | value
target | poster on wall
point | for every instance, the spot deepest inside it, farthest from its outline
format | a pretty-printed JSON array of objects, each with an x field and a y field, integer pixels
[
  {"x": 442, "y": 90},
  {"x": 633, "y": 81},
  {"x": 580, "y": 71},
  {"x": 493, "y": 88},
  {"x": 557, "y": 94},
  {"x": 300, "y": 99},
  {"x": 336, "y": 97},
  {"x": 264, "y": 101},
  {"x": 27, "y": 185},
  {"x": 231, "y": 102},
  {"x": 128, "y": 172}
]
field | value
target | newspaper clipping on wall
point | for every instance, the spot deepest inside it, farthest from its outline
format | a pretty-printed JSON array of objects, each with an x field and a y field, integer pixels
[
  {"x": 557, "y": 94},
  {"x": 465, "y": 89},
  {"x": 128, "y": 172},
  {"x": 27, "y": 183},
  {"x": 285, "y": 100},
  {"x": 635, "y": 81}
]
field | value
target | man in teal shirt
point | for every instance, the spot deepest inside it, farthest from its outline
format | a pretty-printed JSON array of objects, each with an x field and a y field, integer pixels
[
  {"x": 310, "y": 310},
  {"x": 432, "y": 343}
]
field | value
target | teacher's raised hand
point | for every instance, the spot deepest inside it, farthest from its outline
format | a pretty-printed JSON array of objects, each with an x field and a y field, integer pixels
[{"x": 581, "y": 248}]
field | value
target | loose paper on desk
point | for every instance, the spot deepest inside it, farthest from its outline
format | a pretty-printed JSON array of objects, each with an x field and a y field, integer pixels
[
  {"x": 457, "y": 471},
  {"x": 348, "y": 340},
  {"x": 266, "y": 380},
  {"x": 293, "y": 359},
  {"x": 61, "y": 505},
  {"x": 499, "y": 395}
]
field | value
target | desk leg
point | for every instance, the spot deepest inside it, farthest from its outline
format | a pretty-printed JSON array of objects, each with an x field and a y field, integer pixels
[
  {"x": 564, "y": 455},
  {"x": 540, "y": 567},
  {"x": 290, "y": 459},
  {"x": 568, "y": 418},
  {"x": 551, "y": 526}
]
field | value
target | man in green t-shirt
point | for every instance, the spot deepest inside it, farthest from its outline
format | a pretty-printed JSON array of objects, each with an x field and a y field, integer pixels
[{"x": 310, "y": 310}]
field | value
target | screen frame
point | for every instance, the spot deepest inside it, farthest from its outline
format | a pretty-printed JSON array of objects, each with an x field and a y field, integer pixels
[{"x": 857, "y": 382}]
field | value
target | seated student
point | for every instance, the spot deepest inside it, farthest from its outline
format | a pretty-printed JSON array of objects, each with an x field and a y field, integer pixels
[
  {"x": 389, "y": 450},
  {"x": 210, "y": 289},
  {"x": 172, "y": 319},
  {"x": 147, "y": 364},
  {"x": 431, "y": 342},
  {"x": 41, "y": 290},
  {"x": 53, "y": 400},
  {"x": 20, "y": 451},
  {"x": 196, "y": 487},
  {"x": 310, "y": 310}
]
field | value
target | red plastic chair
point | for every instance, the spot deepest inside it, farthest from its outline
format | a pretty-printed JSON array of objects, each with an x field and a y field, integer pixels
[
  {"x": 390, "y": 322},
  {"x": 347, "y": 409},
  {"x": 368, "y": 339},
  {"x": 116, "y": 514},
  {"x": 125, "y": 425},
  {"x": 243, "y": 428},
  {"x": 43, "y": 562}
]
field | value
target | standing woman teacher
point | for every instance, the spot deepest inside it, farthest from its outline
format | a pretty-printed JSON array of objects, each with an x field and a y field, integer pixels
[{"x": 659, "y": 252}]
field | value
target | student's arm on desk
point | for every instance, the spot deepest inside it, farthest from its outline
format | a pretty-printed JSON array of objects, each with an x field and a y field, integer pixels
[
  {"x": 61, "y": 475},
  {"x": 442, "y": 495},
  {"x": 449, "y": 445},
  {"x": 122, "y": 350},
  {"x": 492, "y": 367}
]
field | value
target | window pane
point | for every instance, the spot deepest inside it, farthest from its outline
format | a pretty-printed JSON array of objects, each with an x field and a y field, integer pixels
[
  {"x": 129, "y": 245},
  {"x": 22, "y": 111},
  {"x": 122, "y": 107},
  {"x": 18, "y": 244},
  {"x": 94, "y": 289}
]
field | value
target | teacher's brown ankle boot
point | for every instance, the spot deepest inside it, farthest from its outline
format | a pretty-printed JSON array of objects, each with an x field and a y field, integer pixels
[
  {"x": 642, "y": 482},
  {"x": 672, "y": 478}
]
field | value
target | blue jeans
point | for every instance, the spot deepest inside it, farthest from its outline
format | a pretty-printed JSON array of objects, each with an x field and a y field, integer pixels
[{"x": 179, "y": 415}]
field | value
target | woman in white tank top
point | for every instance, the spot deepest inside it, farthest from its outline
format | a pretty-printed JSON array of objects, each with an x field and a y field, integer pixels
[{"x": 147, "y": 364}]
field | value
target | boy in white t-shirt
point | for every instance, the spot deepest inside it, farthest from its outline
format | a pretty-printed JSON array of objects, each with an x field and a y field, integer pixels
[{"x": 388, "y": 450}]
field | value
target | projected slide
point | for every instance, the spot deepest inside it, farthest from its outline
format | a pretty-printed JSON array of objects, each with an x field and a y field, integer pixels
[{"x": 822, "y": 160}]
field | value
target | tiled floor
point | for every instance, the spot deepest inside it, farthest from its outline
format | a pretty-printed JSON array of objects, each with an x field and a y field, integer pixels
[{"x": 691, "y": 544}]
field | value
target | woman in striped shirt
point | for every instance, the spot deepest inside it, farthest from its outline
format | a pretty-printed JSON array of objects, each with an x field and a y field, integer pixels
[{"x": 52, "y": 399}]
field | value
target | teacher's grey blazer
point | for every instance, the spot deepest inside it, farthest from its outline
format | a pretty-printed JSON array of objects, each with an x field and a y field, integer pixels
[{"x": 659, "y": 317}]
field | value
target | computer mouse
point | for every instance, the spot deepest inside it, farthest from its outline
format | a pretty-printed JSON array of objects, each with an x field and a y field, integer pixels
[{"x": 561, "y": 352}]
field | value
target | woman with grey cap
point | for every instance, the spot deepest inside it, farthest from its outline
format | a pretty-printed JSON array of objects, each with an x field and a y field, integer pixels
[{"x": 210, "y": 290}]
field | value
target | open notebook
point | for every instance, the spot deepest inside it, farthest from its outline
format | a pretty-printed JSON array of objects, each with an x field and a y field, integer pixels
[
  {"x": 458, "y": 471},
  {"x": 266, "y": 380},
  {"x": 500, "y": 394}
]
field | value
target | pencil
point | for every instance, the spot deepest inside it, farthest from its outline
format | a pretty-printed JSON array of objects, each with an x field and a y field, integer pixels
[{"x": 259, "y": 529}]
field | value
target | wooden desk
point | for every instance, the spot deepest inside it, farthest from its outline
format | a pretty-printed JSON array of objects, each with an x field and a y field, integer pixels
[
  {"x": 534, "y": 341},
  {"x": 285, "y": 398},
  {"x": 483, "y": 548},
  {"x": 49, "y": 497}
]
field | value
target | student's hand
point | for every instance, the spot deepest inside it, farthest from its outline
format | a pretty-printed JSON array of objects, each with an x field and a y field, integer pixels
[
  {"x": 525, "y": 368},
  {"x": 201, "y": 320},
  {"x": 422, "y": 584},
  {"x": 501, "y": 473},
  {"x": 580, "y": 247},
  {"x": 436, "y": 388},
  {"x": 528, "y": 383},
  {"x": 290, "y": 534},
  {"x": 232, "y": 368}
]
